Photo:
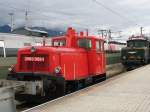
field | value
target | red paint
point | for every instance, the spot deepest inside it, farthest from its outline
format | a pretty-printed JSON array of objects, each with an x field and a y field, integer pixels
[{"x": 76, "y": 63}]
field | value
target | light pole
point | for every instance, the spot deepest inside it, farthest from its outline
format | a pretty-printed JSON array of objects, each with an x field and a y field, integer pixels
[
  {"x": 141, "y": 30},
  {"x": 11, "y": 21}
]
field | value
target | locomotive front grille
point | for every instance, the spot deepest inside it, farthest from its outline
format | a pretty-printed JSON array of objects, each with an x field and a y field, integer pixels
[{"x": 34, "y": 63}]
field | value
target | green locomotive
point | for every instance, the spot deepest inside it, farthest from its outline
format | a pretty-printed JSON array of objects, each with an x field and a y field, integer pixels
[{"x": 136, "y": 53}]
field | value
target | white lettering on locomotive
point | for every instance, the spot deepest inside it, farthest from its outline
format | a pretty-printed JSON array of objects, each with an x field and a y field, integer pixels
[{"x": 38, "y": 59}]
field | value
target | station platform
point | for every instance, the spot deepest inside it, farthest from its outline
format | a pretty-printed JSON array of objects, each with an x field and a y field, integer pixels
[{"x": 128, "y": 92}]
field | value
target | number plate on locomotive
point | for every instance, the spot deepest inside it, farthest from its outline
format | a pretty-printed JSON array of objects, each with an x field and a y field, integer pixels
[{"x": 37, "y": 59}]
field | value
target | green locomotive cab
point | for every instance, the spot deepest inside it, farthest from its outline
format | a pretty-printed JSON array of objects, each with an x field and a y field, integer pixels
[{"x": 137, "y": 52}]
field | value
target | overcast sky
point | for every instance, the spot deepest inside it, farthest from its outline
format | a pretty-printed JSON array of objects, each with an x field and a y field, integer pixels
[{"x": 118, "y": 15}]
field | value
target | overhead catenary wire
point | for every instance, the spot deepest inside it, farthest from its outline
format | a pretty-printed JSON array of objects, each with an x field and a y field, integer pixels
[
  {"x": 117, "y": 13},
  {"x": 114, "y": 12}
]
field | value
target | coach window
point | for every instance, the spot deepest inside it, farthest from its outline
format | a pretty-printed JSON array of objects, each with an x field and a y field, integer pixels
[
  {"x": 27, "y": 44},
  {"x": 84, "y": 43},
  {"x": 98, "y": 46}
]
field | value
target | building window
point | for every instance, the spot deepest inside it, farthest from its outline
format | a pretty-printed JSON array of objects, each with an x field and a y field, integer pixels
[{"x": 27, "y": 44}]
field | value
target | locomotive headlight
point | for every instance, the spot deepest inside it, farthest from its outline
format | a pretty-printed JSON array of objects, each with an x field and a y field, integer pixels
[
  {"x": 124, "y": 57},
  {"x": 33, "y": 49},
  {"x": 57, "y": 69}
]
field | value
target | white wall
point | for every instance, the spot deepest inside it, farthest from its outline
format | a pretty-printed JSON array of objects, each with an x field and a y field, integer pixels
[
  {"x": 18, "y": 41},
  {"x": 1, "y": 43},
  {"x": 14, "y": 41}
]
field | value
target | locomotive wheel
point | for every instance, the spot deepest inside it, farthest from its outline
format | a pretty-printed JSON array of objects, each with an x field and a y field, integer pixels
[
  {"x": 60, "y": 89},
  {"x": 99, "y": 78},
  {"x": 104, "y": 77},
  {"x": 54, "y": 88},
  {"x": 145, "y": 61},
  {"x": 75, "y": 86},
  {"x": 68, "y": 88},
  {"x": 88, "y": 82},
  {"x": 49, "y": 88}
]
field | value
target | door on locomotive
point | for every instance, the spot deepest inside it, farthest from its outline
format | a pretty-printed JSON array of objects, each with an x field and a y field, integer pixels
[
  {"x": 100, "y": 57},
  {"x": 96, "y": 56}
]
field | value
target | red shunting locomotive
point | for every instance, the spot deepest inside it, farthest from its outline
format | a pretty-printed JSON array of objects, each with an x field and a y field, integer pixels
[{"x": 73, "y": 59}]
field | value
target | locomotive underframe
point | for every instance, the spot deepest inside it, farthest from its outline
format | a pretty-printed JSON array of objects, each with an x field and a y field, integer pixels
[
  {"x": 50, "y": 86},
  {"x": 132, "y": 64}
]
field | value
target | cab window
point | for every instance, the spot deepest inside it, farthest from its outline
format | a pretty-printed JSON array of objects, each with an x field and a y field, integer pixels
[
  {"x": 102, "y": 46},
  {"x": 98, "y": 46},
  {"x": 84, "y": 43},
  {"x": 57, "y": 43},
  {"x": 137, "y": 43}
]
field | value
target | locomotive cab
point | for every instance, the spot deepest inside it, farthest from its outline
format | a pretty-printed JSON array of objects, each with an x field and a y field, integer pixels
[{"x": 71, "y": 60}]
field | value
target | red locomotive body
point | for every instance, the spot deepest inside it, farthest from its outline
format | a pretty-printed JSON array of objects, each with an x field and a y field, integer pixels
[{"x": 72, "y": 59}]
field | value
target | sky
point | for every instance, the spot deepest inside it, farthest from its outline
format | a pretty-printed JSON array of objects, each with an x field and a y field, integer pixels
[{"x": 126, "y": 16}]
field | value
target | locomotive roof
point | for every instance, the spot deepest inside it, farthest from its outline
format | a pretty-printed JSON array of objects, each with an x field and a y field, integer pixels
[
  {"x": 52, "y": 49},
  {"x": 71, "y": 33},
  {"x": 139, "y": 38},
  {"x": 78, "y": 37}
]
